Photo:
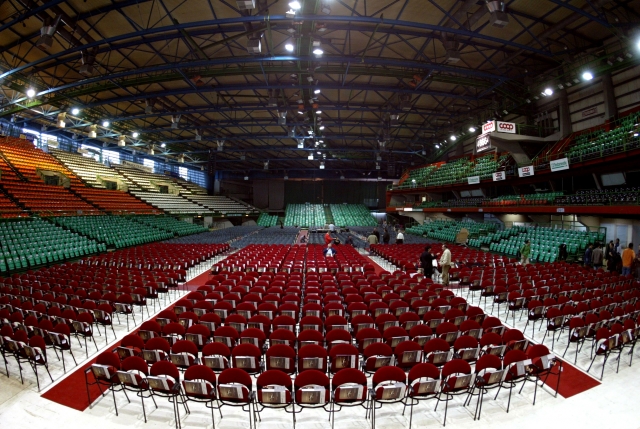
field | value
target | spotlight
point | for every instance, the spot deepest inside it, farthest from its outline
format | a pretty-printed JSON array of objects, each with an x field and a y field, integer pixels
[
  {"x": 317, "y": 91},
  {"x": 472, "y": 129},
  {"x": 548, "y": 91},
  {"x": 437, "y": 146},
  {"x": 289, "y": 47},
  {"x": 105, "y": 124},
  {"x": 318, "y": 112},
  {"x": 453, "y": 138},
  {"x": 300, "y": 112},
  {"x": 31, "y": 92},
  {"x": 317, "y": 52},
  {"x": 321, "y": 127},
  {"x": 163, "y": 145},
  {"x": 75, "y": 111},
  {"x": 135, "y": 134},
  {"x": 295, "y": 5},
  {"x": 587, "y": 76}
]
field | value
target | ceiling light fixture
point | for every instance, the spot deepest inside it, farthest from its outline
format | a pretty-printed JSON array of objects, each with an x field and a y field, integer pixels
[
  {"x": 317, "y": 91},
  {"x": 472, "y": 129},
  {"x": 31, "y": 92},
  {"x": 587, "y": 76},
  {"x": 105, "y": 124},
  {"x": 548, "y": 91},
  {"x": 289, "y": 47},
  {"x": 75, "y": 111},
  {"x": 321, "y": 127},
  {"x": 135, "y": 134},
  {"x": 317, "y": 52},
  {"x": 295, "y": 5},
  {"x": 453, "y": 138},
  {"x": 318, "y": 112}
]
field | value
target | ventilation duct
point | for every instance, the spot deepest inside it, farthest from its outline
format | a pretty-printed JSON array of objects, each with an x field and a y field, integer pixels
[
  {"x": 88, "y": 58},
  {"x": 246, "y": 4},
  {"x": 282, "y": 117},
  {"x": 453, "y": 54},
  {"x": 47, "y": 31},
  {"x": 93, "y": 131},
  {"x": 175, "y": 120},
  {"x": 499, "y": 17}
]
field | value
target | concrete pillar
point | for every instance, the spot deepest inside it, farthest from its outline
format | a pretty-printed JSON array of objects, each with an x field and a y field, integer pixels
[
  {"x": 564, "y": 115},
  {"x": 610, "y": 106}
]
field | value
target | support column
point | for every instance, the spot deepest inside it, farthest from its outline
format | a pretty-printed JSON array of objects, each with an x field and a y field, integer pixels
[
  {"x": 564, "y": 115},
  {"x": 610, "y": 106}
]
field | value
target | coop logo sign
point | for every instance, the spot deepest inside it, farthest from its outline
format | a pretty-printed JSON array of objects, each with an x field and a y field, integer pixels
[
  {"x": 559, "y": 164},
  {"x": 498, "y": 176},
  {"x": 506, "y": 127},
  {"x": 525, "y": 171},
  {"x": 483, "y": 143},
  {"x": 489, "y": 127}
]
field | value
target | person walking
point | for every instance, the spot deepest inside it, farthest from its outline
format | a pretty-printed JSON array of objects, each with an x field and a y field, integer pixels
[
  {"x": 628, "y": 255},
  {"x": 400, "y": 237},
  {"x": 586, "y": 259},
  {"x": 372, "y": 239},
  {"x": 597, "y": 257},
  {"x": 445, "y": 263},
  {"x": 426, "y": 262},
  {"x": 525, "y": 251},
  {"x": 386, "y": 237}
]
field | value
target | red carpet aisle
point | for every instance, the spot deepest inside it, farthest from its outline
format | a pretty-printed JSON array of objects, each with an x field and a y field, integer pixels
[
  {"x": 572, "y": 381},
  {"x": 195, "y": 282}
]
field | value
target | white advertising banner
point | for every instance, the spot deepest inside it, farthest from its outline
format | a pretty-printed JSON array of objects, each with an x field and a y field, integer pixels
[
  {"x": 526, "y": 171},
  {"x": 473, "y": 180},
  {"x": 500, "y": 175},
  {"x": 488, "y": 127},
  {"x": 559, "y": 164},
  {"x": 506, "y": 127}
]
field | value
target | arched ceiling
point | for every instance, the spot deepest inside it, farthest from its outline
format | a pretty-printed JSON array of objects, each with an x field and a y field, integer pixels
[{"x": 395, "y": 76}]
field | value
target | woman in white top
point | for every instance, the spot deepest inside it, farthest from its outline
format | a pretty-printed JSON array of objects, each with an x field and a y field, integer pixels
[{"x": 400, "y": 238}]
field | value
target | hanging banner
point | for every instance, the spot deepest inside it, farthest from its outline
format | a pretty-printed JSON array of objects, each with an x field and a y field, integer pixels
[
  {"x": 559, "y": 164},
  {"x": 483, "y": 143},
  {"x": 500, "y": 175},
  {"x": 506, "y": 127},
  {"x": 525, "y": 171},
  {"x": 473, "y": 180}
]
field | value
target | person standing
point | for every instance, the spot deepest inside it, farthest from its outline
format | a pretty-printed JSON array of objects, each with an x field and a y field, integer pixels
[
  {"x": 372, "y": 239},
  {"x": 525, "y": 251},
  {"x": 607, "y": 252},
  {"x": 617, "y": 247},
  {"x": 400, "y": 237},
  {"x": 426, "y": 262},
  {"x": 377, "y": 234},
  {"x": 597, "y": 257},
  {"x": 328, "y": 238},
  {"x": 349, "y": 241},
  {"x": 445, "y": 263},
  {"x": 386, "y": 237},
  {"x": 586, "y": 259},
  {"x": 628, "y": 255}
]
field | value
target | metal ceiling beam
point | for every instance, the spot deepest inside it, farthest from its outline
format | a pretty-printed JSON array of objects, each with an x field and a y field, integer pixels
[{"x": 278, "y": 18}]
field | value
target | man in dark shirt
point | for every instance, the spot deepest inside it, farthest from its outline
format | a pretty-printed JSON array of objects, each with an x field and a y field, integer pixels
[
  {"x": 349, "y": 240},
  {"x": 426, "y": 262}
]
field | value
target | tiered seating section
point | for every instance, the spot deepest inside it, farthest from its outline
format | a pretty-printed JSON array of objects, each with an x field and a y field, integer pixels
[
  {"x": 457, "y": 171},
  {"x": 265, "y": 219},
  {"x": 352, "y": 215},
  {"x": 31, "y": 242},
  {"x": 622, "y": 136},
  {"x": 91, "y": 171},
  {"x": 116, "y": 202},
  {"x": 615, "y": 196},
  {"x": 171, "y": 203},
  {"x": 221, "y": 204},
  {"x": 169, "y": 224},
  {"x": 304, "y": 215},
  {"x": 115, "y": 231},
  {"x": 447, "y": 230},
  {"x": 545, "y": 242}
]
